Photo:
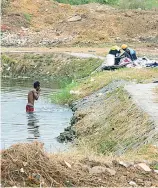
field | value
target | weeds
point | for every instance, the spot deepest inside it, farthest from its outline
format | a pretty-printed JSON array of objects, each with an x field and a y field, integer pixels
[
  {"x": 28, "y": 17},
  {"x": 121, "y": 126},
  {"x": 124, "y": 4},
  {"x": 64, "y": 95}
]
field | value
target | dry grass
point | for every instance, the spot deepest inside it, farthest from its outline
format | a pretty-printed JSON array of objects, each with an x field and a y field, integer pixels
[
  {"x": 27, "y": 165},
  {"x": 116, "y": 126},
  {"x": 100, "y": 80}
]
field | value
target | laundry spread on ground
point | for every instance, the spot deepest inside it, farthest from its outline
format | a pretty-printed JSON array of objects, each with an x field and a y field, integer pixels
[{"x": 140, "y": 62}]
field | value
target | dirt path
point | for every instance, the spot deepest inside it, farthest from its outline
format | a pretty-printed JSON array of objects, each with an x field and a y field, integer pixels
[
  {"x": 144, "y": 96},
  {"x": 74, "y": 50}
]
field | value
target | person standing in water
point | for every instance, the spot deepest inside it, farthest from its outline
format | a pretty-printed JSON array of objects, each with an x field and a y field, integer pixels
[{"x": 32, "y": 96}]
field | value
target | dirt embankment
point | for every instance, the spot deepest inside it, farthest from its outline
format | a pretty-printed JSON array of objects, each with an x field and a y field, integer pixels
[
  {"x": 27, "y": 165},
  {"x": 48, "y": 23},
  {"x": 52, "y": 65},
  {"x": 109, "y": 121}
]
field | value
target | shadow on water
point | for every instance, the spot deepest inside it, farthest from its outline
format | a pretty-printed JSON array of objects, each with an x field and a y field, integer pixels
[{"x": 32, "y": 126}]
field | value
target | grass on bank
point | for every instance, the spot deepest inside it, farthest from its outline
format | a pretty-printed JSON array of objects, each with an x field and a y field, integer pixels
[
  {"x": 123, "y": 4},
  {"x": 61, "y": 67},
  {"x": 63, "y": 95},
  {"x": 118, "y": 126},
  {"x": 99, "y": 80}
]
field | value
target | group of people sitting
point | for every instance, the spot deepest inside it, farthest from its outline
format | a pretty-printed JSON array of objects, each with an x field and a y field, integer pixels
[{"x": 128, "y": 53}]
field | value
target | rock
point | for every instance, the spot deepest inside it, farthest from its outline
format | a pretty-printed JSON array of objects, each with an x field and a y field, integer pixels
[
  {"x": 144, "y": 167},
  {"x": 74, "y": 18},
  {"x": 132, "y": 183},
  {"x": 22, "y": 170},
  {"x": 128, "y": 14},
  {"x": 100, "y": 169},
  {"x": 156, "y": 171},
  {"x": 97, "y": 170},
  {"x": 125, "y": 164}
]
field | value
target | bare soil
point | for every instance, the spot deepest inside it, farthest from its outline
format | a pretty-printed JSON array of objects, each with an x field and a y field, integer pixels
[{"x": 45, "y": 21}]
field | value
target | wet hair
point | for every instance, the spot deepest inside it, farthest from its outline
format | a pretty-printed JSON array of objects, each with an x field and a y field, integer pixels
[{"x": 36, "y": 84}]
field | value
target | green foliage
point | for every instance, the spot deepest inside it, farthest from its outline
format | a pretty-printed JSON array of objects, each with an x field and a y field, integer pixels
[
  {"x": 64, "y": 95},
  {"x": 135, "y": 4},
  {"x": 28, "y": 17},
  {"x": 7, "y": 60},
  {"x": 79, "y": 68},
  {"x": 156, "y": 166},
  {"x": 124, "y": 4}
]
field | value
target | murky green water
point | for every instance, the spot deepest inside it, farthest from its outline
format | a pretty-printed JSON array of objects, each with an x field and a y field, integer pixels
[{"x": 45, "y": 124}]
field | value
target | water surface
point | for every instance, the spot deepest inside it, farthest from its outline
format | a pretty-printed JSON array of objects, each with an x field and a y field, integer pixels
[{"x": 45, "y": 124}]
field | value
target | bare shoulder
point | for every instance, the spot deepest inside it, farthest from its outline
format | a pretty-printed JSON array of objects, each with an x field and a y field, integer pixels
[{"x": 31, "y": 92}]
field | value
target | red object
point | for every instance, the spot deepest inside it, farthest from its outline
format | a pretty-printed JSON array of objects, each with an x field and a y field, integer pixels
[
  {"x": 4, "y": 28},
  {"x": 29, "y": 108}
]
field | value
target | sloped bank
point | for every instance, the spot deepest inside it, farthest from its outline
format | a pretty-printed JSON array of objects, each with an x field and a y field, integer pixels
[
  {"x": 56, "y": 66},
  {"x": 108, "y": 121}
]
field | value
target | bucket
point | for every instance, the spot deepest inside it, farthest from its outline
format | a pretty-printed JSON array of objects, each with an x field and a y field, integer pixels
[{"x": 110, "y": 60}]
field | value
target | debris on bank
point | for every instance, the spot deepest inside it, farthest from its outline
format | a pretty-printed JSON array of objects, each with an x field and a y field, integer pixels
[
  {"x": 27, "y": 164},
  {"x": 127, "y": 63}
]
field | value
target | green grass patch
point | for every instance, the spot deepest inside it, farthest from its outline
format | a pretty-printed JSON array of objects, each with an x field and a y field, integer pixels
[
  {"x": 64, "y": 96},
  {"x": 99, "y": 80},
  {"x": 28, "y": 17},
  {"x": 124, "y": 4},
  {"x": 94, "y": 82},
  {"x": 135, "y": 4},
  {"x": 121, "y": 126}
]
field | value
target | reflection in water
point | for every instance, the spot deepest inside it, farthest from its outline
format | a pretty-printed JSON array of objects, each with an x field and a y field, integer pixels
[
  {"x": 32, "y": 126},
  {"x": 44, "y": 125}
]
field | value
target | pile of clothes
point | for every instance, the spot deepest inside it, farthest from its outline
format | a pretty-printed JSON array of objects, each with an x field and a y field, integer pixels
[
  {"x": 126, "y": 62},
  {"x": 138, "y": 63}
]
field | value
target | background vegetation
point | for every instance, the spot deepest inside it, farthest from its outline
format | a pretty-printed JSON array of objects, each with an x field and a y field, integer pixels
[{"x": 125, "y": 4}]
